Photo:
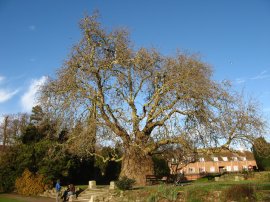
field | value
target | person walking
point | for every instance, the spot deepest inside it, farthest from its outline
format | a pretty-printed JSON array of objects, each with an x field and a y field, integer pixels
[{"x": 58, "y": 189}]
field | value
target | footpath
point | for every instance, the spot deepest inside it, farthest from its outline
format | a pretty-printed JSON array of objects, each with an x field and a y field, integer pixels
[{"x": 27, "y": 198}]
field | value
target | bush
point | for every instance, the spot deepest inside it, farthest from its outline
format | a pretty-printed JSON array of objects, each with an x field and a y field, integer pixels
[
  {"x": 161, "y": 166},
  {"x": 125, "y": 183},
  {"x": 30, "y": 184},
  {"x": 164, "y": 193},
  {"x": 240, "y": 192}
]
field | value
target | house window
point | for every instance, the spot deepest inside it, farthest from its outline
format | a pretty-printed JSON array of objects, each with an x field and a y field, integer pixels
[
  {"x": 215, "y": 158},
  {"x": 189, "y": 159},
  {"x": 191, "y": 170},
  {"x": 225, "y": 158},
  {"x": 244, "y": 158},
  {"x": 234, "y": 158},
  {"x": 229, "y": 168},
  {"x": 235, "y": 168},
  {"x": 245, "y": 168},
  {"x": 202, "y": 170},
  {"x": 212, "y": 169},
  {"x": 201, "y": 159}
]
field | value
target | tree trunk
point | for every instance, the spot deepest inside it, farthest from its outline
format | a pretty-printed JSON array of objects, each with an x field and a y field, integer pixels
[{"x": 136, "y": 165}]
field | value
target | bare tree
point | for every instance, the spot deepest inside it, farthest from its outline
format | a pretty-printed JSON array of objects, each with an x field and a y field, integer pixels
[
  {"x": 141, "y": 98},
  {"x": 12, "y": 127},
  {"x": 4, "y": 134}
]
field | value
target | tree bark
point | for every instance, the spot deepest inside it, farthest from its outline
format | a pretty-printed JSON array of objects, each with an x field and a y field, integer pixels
[{"x": 136, "y": 165}]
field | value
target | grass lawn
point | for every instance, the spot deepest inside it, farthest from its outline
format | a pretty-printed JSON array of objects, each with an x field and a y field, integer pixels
[
  {"x": 3, "y": 199},
  {"x": 201, "y": 190}
]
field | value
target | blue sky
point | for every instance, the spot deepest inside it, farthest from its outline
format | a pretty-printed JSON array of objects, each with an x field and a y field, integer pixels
[{"x": 37, "y": 35}]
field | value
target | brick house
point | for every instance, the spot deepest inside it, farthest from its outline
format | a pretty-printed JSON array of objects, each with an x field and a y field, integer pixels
[{"x": 223, "y": 161}]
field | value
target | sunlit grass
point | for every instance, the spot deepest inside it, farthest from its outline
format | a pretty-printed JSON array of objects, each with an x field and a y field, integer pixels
[{"x": 4, "y": 199}]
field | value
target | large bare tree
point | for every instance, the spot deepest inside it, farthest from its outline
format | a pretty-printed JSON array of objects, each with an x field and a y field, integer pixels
[{"x": 135, "y": 96}]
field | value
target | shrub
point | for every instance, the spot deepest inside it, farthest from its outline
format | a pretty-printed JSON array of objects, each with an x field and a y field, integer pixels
[
  {"x": 197, "y": 195},
  {"x": 164, "y": 193},
  {"x": 168, "y": 192},
  {"x": 240, "y": 192},
  {"x": 125, "y": 183},
  {"x": 153, "y": 197},
  {"x": 30, "y": 184}
]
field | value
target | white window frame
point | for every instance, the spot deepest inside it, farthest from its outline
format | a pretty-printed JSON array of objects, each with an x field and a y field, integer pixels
[
  {"x": 215, "y": 158},
  {"x": 225, "y": 158},
  {"x": 212, "y": 169},
  {"x": 201, "y": 159},
  {"x": 229, "y": 168},
  {"x": 201, "y": 169},
  {"x": 234, "y": 158},
  {"x": 235, "y": 168},
  {"x": 191, "y": 170}
]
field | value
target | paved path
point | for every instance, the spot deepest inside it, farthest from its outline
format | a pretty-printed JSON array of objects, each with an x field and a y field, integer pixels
[{"x": 28, "y": 198}]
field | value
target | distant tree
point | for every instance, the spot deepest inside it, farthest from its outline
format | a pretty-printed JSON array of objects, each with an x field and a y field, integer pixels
[
  {"x": 29, "y": 148},
  {"x": 37, "y": 114},
  {"x": 136, "y": 96},
  {"x": 12, "y": 127},
  {"x": 5, "y": 131}
]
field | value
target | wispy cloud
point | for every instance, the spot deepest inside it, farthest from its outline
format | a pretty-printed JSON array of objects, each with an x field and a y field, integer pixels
[
  {"x": 32, "y": 27},
  {"x": 240, "y": 80},
  {"x": 32, "y": 59},
  {"x": 29, "y": 98},
  {"x": 262, "y": 75},
  {"x": 5, "y": 95}
]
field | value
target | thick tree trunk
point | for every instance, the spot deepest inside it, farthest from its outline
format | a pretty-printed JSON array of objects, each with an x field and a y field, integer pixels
[{"x": 136, "y": 165}]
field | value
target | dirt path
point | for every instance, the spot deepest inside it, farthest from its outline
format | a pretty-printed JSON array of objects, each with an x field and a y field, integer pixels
[{"x": 28, "y": 198}]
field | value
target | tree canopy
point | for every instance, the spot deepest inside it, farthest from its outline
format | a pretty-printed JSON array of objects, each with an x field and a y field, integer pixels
[{"x": 115, "y": 93}]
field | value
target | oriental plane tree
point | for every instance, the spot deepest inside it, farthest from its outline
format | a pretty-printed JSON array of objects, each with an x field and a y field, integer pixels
[{"x": 137, "y": 98}]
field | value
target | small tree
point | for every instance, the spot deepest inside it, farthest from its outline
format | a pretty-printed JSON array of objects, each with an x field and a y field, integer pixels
[{"x": 261, "y": 151}]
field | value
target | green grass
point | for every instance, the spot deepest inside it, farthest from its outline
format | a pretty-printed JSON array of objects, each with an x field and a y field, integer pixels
[
  {"x": 82, "y": 186},
  {"x": 3, "y": 199},
  {"x": 201, "y": 189}
]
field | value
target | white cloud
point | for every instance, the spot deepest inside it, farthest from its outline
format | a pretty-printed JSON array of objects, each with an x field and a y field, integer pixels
[
  {"x": 2, "y": 78},
  {"x": 28, "y": 100},
  {"x": 6, "y": 95},
  {"x": 1, "y": 118}
]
